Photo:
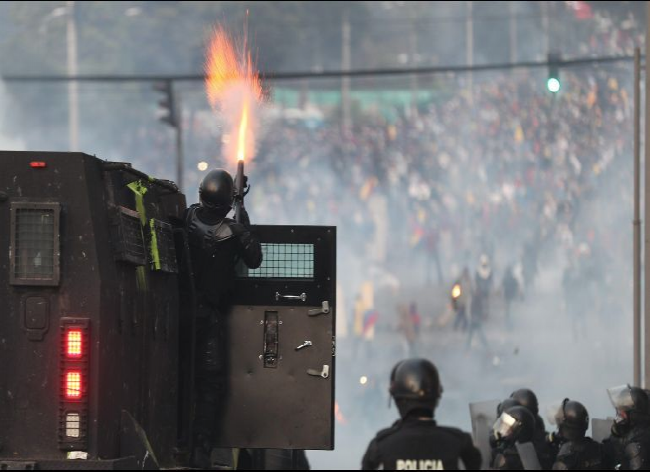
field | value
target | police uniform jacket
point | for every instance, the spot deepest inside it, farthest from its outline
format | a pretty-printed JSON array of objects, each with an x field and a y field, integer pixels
[
  {"x": 629, "y": 451},
  {"x": 216, "y": 244},
  {"x": 420, "y": 444},
  {"x": 582, "y": 454}
]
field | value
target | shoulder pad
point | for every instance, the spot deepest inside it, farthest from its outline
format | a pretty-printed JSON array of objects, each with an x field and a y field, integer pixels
[{"x": 189, "y": 211}]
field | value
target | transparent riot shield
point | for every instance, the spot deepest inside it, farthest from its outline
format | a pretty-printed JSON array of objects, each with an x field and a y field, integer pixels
[
  {"x": 528, "y": 456},
  {"x": 483, "y": 415},
  {"x": 601, "y": 429}
]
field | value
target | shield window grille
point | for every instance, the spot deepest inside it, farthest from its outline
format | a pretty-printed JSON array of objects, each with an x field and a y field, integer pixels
[{"x": 284, "y": 261}]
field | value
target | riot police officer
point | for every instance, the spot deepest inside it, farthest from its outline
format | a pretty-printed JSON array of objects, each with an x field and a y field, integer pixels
[
  {"x": 217, "y": 242},
  {"x": 545, "y": 451},
  {"x": 505, "y": 405},
  {"x": 527, "y": 398},
  {"x": 216, "y": 245},
  {"x": 416, "y": 441},
  {"x": 577, "y": 452},
  {"x": 515, "y": 425},
  {"x": 628, "y": 447}
]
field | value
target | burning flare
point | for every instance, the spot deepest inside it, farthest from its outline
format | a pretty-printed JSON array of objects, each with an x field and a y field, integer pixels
[
  {"x": 456, "y": 291},
  {"x": 339, "y": 414},
  {"x": 234, "y": 90}
]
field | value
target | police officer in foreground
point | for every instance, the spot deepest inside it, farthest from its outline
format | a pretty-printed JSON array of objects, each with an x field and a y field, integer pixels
[
  {"x": 216, "y": 245},
  {"x": 516, "y": 425},
  {"x": 628, "y": 447},
  {"x": 416, "y": 441},
  {"x": 577, "y": 451},
  {"x": 545, "y": 450}
]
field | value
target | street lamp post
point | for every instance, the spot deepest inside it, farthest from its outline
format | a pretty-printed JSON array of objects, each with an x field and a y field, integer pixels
[{"x": 73, "y": 86}]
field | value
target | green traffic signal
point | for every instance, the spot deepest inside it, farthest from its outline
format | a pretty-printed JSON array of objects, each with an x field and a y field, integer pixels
[{"x": 553, "y": 84}]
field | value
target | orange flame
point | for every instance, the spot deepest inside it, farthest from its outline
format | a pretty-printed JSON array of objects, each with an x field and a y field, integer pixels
[
  {"x": 339, "y": 414},
  {"x": 234, "y": 89}
]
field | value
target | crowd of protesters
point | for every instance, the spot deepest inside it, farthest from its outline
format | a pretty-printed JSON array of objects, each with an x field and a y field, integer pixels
[
  {"x": 507, "y": 169},
  {"x": 498, "y": 166}
]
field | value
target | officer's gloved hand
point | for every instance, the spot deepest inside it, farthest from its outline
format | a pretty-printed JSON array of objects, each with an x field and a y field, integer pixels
[
  {"x": 245, "y": 219},
  {"x": 554, "y": 438}
]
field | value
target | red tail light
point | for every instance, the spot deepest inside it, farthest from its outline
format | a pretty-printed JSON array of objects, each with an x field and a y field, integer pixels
[
  {"x": 37, "y": 165},
  {"x": 74, "y": 344},
  {"x": 73, "y": 385}
]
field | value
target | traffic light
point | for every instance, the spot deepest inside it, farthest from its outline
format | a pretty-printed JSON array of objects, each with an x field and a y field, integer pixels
[
  {"x": 553, "y": 83},
  {"x": 167, "y": 103}
]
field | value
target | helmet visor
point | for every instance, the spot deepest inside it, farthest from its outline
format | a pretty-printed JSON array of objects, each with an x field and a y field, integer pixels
[
  {"x": 505, "y": 426},
  {"x": 621, "y": 397}
]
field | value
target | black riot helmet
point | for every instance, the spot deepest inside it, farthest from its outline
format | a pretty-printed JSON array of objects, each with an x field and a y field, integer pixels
[
  {"x": 515, "y": 425},
  {"x": 415, "y": 385},
  {"x": 572, "y": 419},
  {"x": 506, "y": 404},
  {"x": 631, "y": 404},
  {"x": 527, "y": 399},
  {"x": 216, "y": 190}
]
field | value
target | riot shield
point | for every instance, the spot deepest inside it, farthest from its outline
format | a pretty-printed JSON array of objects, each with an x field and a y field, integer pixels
[
  {"x": 483, "y": 415},
  {"x": 281, "y": 342},
  {"x": 601, "y": 429},
  {"x": 528, "y": 456},
  {"x": 621, "y": 397}
]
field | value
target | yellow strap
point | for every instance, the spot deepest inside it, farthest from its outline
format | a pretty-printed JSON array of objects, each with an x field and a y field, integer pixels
[{"x": 139, "y": 190}]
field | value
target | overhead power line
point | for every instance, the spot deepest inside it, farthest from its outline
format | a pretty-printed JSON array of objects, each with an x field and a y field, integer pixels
[{"x": 278, "y": 76}]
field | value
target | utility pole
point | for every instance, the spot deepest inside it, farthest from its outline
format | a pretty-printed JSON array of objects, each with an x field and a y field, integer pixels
[
  {"x": 513, "y": 31},
  {"x": 646, "y": 256},
  {"x": 413, "y": 50},
  {"x": 546, "y": 27},
  {"x": 73, "y": 86},
  {"x": 637, "y": 217},
  {"x": 469, "y": 42},
  {"x": 180, "y": 157},
  {"x": 345, "y": 66}
]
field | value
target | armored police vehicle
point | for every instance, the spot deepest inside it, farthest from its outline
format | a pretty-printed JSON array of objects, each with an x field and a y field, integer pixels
[{"x": 97, "y": 324}]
